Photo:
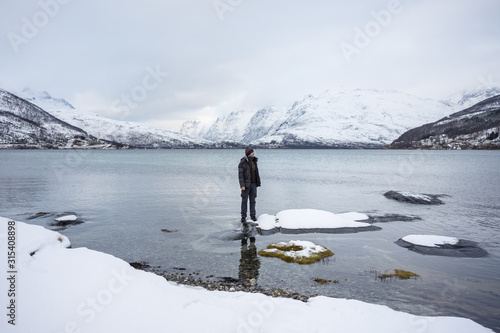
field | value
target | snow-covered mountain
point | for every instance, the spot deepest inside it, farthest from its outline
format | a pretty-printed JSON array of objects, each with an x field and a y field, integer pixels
[
  {"x": 229, "y": 128},
  {"x": 478, "y": 122},
  {"x": 336, "y": 118},
  {"x": 193, "y": 128},
  {"x": 467, "y": 98},
  {"x": 124, "y": 132},
  {"x": 43, "y": 100},
  {"x": 359, "y": 117},
  {"x": 22, "y": 122},
  {"x": 340, "y": 118},
  {"x": 242, "y": 126}
]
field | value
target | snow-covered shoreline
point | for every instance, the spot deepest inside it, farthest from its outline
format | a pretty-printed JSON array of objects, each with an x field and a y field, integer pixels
[{"x": 81, "y": 290}]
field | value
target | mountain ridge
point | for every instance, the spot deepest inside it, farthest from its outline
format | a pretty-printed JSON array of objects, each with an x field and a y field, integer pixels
[
  {"x": 478, "y": 124},
  {"x": 22, "y": 122},
  {"x": 337, "y": 118},
  {"x": 124, "y": 132}
]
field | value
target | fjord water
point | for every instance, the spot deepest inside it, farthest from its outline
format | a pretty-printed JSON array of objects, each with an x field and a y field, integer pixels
[{"x": 126, "y": 197}]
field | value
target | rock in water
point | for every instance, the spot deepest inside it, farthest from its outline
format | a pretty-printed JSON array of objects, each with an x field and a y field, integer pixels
[
  {"x": 461, "y": 248},
  {"x": 415, "y": 198},
  {"x": 393, "y": 218},
  {"x": 66, "y": 220},
  {"x": 301, "y": 252}
]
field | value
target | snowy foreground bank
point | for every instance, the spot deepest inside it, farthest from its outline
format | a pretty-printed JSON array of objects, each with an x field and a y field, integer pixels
[{"x": 80, "y": 290}]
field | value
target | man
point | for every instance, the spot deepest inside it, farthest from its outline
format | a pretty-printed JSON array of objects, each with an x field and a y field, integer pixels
[{"x": 248, "y": 173}]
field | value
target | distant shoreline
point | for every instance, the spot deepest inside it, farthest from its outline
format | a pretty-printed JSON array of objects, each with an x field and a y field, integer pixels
[{"x": 29, "y": 147}]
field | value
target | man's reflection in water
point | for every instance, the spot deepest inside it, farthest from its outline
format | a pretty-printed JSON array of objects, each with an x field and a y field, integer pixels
[{"x": 248, "y": 271}]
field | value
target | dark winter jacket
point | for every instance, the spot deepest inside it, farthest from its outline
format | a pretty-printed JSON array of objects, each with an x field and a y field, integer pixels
[{"x": 244, "y": 172}]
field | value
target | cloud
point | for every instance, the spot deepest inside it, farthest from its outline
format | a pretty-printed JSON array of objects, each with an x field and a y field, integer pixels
[{"x": 254, "y": 54}]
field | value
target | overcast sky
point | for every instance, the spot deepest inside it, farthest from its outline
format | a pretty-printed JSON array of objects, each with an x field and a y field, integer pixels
[{"x": 164, "y": 62}]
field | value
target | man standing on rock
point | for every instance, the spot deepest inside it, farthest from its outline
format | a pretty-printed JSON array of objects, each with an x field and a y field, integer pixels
[{"x": 248, "y": 173}]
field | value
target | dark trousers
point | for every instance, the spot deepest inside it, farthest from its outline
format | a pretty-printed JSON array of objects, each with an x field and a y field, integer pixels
[{"x": 250, "y": 193}]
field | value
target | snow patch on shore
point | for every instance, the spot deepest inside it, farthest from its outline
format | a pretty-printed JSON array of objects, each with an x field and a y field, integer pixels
[{"x": 81, "y": 290}]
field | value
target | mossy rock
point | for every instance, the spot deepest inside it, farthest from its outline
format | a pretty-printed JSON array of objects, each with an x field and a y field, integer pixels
[
  {"x": 303, "y": 253},
  {"x": 400, "y": 274}
]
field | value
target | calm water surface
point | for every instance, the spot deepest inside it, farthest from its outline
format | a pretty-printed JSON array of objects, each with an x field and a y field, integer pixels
[{"x": 127, "y": 197}]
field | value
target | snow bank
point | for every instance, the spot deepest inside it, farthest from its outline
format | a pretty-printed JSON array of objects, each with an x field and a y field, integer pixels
[
  {"x": 311, "y": 219},
  {"x": 80, "y": 290},
  {"x": 430, "y": 240},
  {"x": 442, "y": 246},
  {"x": 34, "y": 239}
]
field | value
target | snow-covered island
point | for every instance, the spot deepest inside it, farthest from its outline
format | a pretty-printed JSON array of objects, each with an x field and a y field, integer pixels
[
  {"x": 58, "y": 289},
  {"x": 296, "y": 221},
  {"x": 442, "y": 246},
  {"x": 430, "y": 240}
]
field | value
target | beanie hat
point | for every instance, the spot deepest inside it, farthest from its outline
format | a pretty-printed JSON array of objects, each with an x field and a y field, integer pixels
[{"x": 248, "y": 151}]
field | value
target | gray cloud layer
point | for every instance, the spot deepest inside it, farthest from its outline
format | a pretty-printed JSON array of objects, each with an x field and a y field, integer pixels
[{"x": 112, "y": 57}]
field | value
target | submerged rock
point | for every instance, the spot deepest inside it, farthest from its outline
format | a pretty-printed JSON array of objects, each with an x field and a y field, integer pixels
[
  {"x": 458, "y": 248},
  {"x": 392, "y": 218},
  {"x": 40, "y": 215},
  {"x": 247, "y": 230},
  {"x": 61, "y": 220},
  {"x": 325, "y": 281},
  {"x": 415, "y": 198},
  {"x": 169, "y": 231}
]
